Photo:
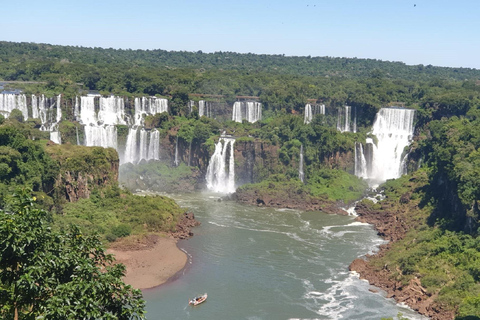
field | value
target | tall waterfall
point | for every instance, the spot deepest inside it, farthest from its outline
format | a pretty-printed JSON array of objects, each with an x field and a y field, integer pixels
[
  {"x": 10, "y": 101},
  {"x": 344, "y": 120},
  {"x": 131, "y": 147},
  {"x": 250, "y": 111},
  {"x": 154, "y": 145},
  {"x": 221, "y": 168},
  {"x": 177, "y": 161},
  {"x": 54, "y": 131},
  {"x": 100, "y": 128},
  {"x": 143, "y": 144},
  {"x": 393, "y": 129},
  {"x": 145, "y": 148},
  {"x": 301, "y": 174},
  {"x": 311, "y": 111}
]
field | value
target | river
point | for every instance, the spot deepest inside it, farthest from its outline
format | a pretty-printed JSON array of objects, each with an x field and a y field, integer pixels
[{"x": 265, "y": 263}]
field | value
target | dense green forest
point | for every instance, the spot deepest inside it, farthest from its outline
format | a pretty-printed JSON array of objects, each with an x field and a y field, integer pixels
[{"x": 446, "y": 146}]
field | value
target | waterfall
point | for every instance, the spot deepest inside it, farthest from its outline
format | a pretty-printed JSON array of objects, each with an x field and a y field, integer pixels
[
  {"x": 112, "y": 111},
  {"x": 87, "y": 110},
  {"x": 220, "y": 172},
  {"x": 35, "y": 114},
  {"x": 100, "y": 128},
  {"x": 143, "y": 144},
  {"x": 308, "y": 114},
  {"x": 78, "y": 139},
  {"x": 201, "y": 108},
  {"x": 344, "y": 122},
  {"x": 148, "y": 106},
  {"x": 54, "y": 132},
  {"x": 301, "y": 174},
  {"x": 311, "y": 111},
  {"x": 131, "y": 147},
  {"x": 250, "y": 111},
  {"x": 154, "y": 145},
  {"x": 360, "y": 161},
  {"x": 393, "y": 129},
  {"x": 177, "y": 162},
  {"x": 101, "y": 136},
  {"x": 11, "y": 101},
  {"x": 76, "y": 110}
]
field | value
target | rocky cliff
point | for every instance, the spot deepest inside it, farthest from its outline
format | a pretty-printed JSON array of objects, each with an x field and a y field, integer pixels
[{"x": 83, "y": 169}]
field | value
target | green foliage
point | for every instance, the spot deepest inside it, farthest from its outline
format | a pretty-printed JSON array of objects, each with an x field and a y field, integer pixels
[
  {"x": 58, "y": 275},
  {"x": 332, "y": 185},
  {"x": 120, "y": 214},
  {"x": 16, "y": 115},
  {"x": 337, "y": 185},
  {"x": 23, "y": 161}
]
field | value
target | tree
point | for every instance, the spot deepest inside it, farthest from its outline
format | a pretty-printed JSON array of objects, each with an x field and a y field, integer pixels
[{"x": 58, "y": 275}]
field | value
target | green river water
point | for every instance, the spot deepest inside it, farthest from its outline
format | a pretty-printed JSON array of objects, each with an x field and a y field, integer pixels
[{"x": 265, "y": 263}]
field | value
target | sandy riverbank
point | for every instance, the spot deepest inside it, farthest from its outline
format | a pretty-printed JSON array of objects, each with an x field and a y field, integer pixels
[{"x": 149, "y": 262}]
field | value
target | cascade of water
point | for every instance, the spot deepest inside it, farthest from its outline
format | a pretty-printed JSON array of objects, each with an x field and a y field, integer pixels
[
  {"x": 112, "y": 110},
  {"x": 87, "y": 110},
  {"x": 76, "y": 110},
  {"x": 344, "y": 119},
  {"x": 153, "y": 147},
  {"x": 237, "y": 112},
  {"x": 59, "y": 108},
  {"x": 143, "y": 144},
  {"x": 308, "y": 114},
  {"x": 220, "y": 177},
  {"x": 131, "y": 147},
  {"x": 78, "y": 139},
  {"x": 250, "y": 111},
  {"x": 201, "y": 108},
  {"x": 53, "y": 128},
  {"x": 42, "y": 111},
  {"x": 355, "y": 120},
  {"x": 35, "y": 114},
  {"x": 360, "y": 161},
  {"x": 311, "y": 111},
  {"x": 177, "y": 162},
  {"x": 393, "y": 128},
  {"x": 148, "y": 106},
  {"x": 301, "y": 174},
  {"x": 101, "y": 136},
  {"x": 10, "y": 101}
]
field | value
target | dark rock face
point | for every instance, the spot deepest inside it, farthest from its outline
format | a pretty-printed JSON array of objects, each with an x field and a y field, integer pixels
[{"x": 73, "y": 185}]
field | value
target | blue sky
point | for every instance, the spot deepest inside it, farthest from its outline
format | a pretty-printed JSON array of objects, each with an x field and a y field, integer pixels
[{"x": 437, "y": 32}]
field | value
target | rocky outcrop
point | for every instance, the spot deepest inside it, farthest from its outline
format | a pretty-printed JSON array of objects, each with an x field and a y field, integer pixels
[
  {"x": 392, "y": 224},
  {"x": 184, "y": 225},
  {"x": 83, "y": 169},
  {"x": 255, "y": 159},
  {"x": 290, "y": 199}
]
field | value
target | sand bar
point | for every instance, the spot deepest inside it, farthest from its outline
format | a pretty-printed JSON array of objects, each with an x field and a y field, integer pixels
[{"x": 150, "y": 265}]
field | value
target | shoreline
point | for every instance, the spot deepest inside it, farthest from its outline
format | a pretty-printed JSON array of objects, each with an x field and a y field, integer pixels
[
  {"x": 392, "y": 225},
  {"x": 150, "y": 264}
]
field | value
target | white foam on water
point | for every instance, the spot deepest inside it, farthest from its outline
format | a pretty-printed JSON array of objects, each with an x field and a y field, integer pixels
[{"x": 357, "y": 223}]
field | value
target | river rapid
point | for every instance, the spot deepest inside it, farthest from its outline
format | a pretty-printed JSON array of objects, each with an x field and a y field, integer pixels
[{"x": 266, "y": 263}]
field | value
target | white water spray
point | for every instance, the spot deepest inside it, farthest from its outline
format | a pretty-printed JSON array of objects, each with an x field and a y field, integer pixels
[
  {"x": 393, "y": 129},
  {"x": 221, "y": 171}
]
